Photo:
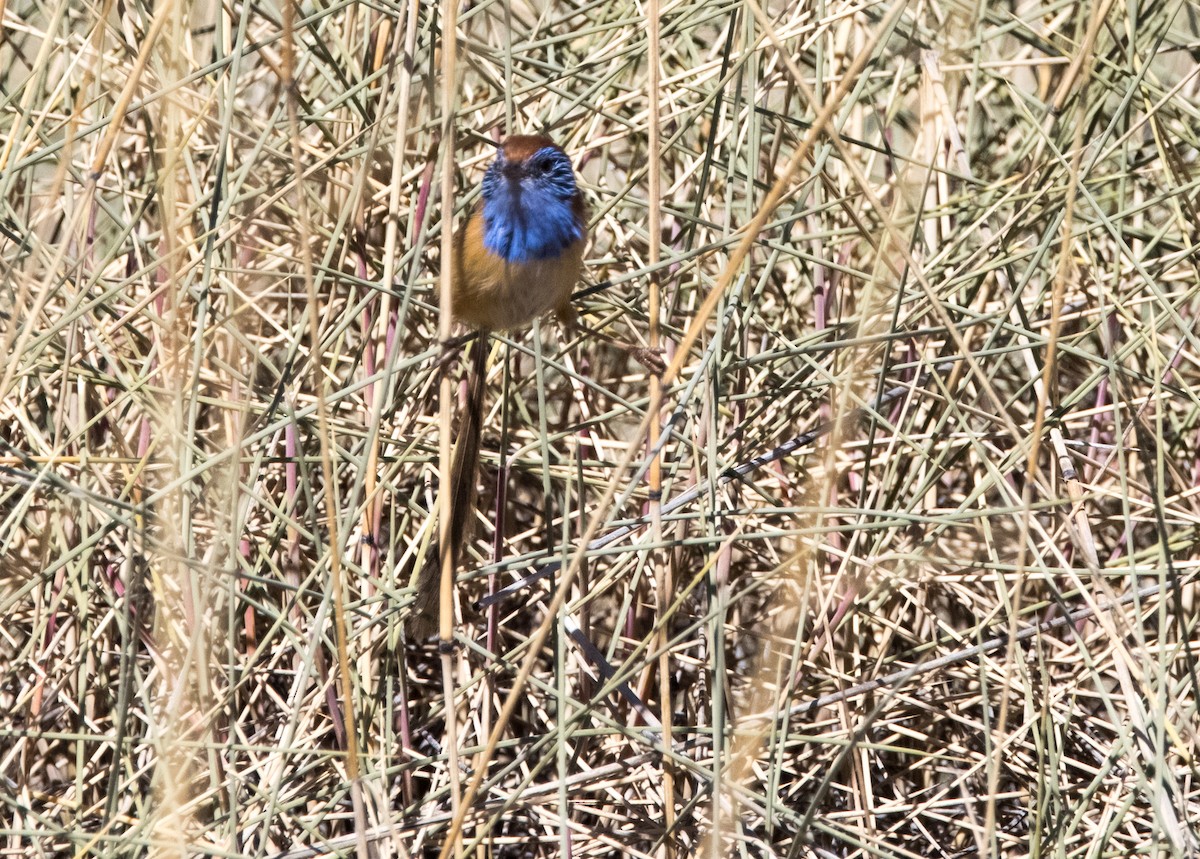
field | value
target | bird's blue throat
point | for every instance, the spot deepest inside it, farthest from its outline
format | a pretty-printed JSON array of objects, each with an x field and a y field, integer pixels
[{"x": 528, "y": 207}]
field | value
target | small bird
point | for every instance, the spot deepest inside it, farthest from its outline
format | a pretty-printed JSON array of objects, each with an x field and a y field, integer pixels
[{"x": 518, "y": 257}]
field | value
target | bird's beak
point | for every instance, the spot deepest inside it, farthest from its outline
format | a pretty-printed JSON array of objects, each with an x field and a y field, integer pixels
[{"x": 513, "y": 170}]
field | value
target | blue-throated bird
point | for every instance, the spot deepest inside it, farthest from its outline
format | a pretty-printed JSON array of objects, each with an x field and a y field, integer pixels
[{"x": 518, "y": 256}]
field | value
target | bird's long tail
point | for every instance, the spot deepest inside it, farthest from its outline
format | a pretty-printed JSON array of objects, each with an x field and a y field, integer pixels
[{"x": 423, "y": 622}]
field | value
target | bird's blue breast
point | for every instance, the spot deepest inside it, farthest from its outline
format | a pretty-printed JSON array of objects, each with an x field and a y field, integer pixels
[{"x": 528, "y": 227}]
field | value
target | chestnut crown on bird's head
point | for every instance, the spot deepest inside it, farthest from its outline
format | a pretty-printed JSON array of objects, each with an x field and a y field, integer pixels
[{"x": 530, "y": 206}]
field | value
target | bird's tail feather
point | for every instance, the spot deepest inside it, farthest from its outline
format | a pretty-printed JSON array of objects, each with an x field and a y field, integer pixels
[{"x": 423, "y": 622}]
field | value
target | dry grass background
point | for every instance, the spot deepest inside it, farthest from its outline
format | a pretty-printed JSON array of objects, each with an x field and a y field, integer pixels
[{"x": 922, "y": 581}]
